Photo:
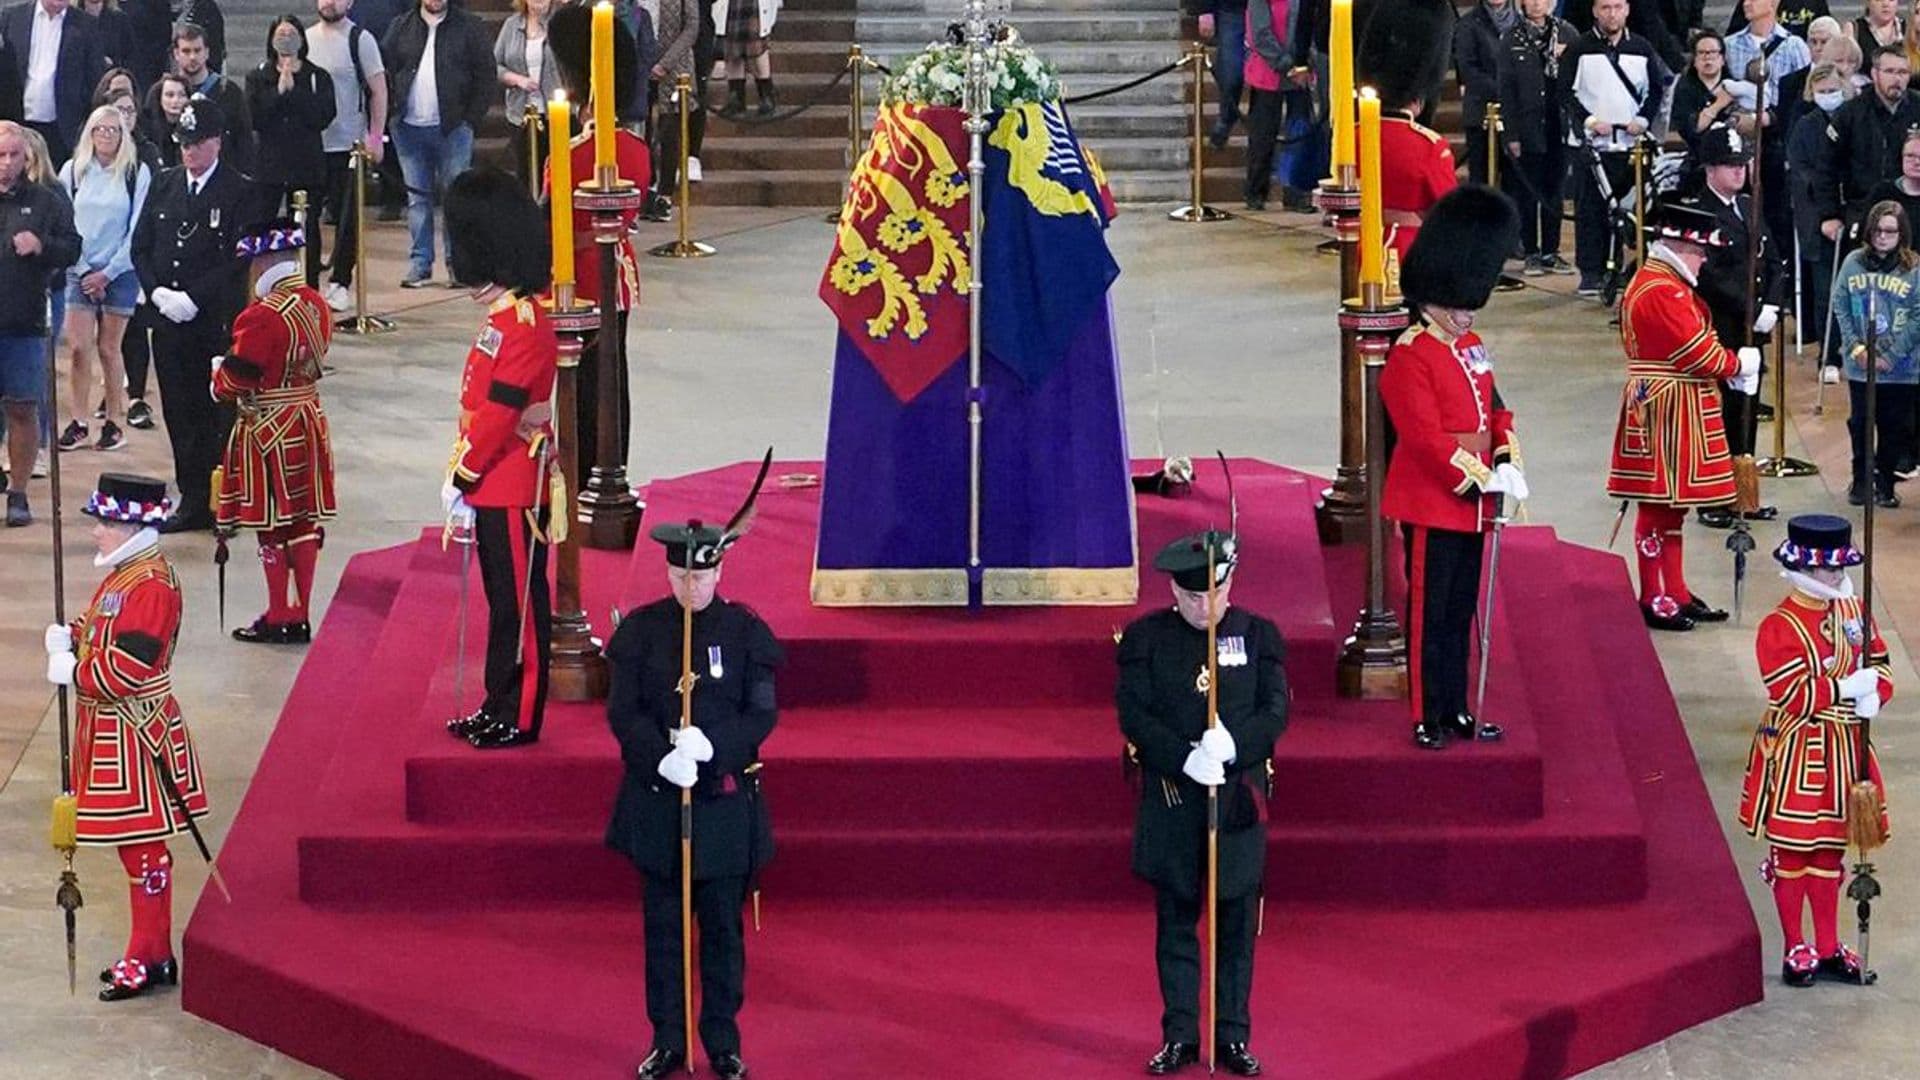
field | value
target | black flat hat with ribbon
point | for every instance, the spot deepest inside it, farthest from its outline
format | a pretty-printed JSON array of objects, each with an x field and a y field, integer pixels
[
  {"x": 1186, "y": 559},
  {"x": 1818, "y": 541},
  {"x": 696, "y": 545},
  {"x": 130, "y": 499},
  {"x": 1684, "y": 217}
]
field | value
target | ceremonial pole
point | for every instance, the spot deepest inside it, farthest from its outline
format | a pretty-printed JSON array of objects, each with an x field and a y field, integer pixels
[
  {"x": 66, "y": 809},
  {"x": 1213, "y": 813},
  {"x": 1341, "y": 513},
  {"x": 687, "y": 678},
  {"x": 979, "y": 100}
]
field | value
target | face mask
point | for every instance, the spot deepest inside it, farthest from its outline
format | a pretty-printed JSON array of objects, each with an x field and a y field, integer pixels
[
  {"x": 286, "y": 45},
  {"x": 1829, "y": 100}
]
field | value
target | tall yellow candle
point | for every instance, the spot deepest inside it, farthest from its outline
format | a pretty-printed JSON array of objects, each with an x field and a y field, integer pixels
[
  {"x": 603, "y": 103},
  {"x": 1340, "y": 88},
  {"x": 560, "y": 187},
  {"x": 1373, "y": 256}
]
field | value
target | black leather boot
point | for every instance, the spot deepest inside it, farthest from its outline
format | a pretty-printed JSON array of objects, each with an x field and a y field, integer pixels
[
  {"x": 262, "y": 632},
  {"x": 1172, "y": 1057}
]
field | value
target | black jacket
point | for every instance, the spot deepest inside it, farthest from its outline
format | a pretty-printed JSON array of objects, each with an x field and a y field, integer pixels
[
  {"x": 288, "y": 126},
  {"x": 1863, "y": 148},
  {"x": 76, "y": 72},
  {"x": 188, "y": 244},
  {"x": 116, "y": 32},
  {"x": 1163, "y": 711},
  {"x": 1723, "y": 277},
  {"x": 1585, "y": 64},
  {"x": 735, "y": 655},
  {"x": 151, "y": 24},
  {"x": 1530, "y": 107},
  {"x": 45, "y": 212},
  {"x": 1664, "y": 23},
  {"x": 1476, "y": 59},
  {"x": 1806, "y": 144},
  {"x": 462, "y": 67}
]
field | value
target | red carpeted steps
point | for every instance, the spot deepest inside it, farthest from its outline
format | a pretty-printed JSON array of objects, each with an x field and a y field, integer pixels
[{"x": 951, "y": 895}]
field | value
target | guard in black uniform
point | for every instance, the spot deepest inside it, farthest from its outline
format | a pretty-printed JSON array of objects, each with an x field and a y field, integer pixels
[
  {"x": 1162, "y": 701},
  {"x": 734, "y": 657},
  {"x": 183, "y": 252},
  {"x": 1725, "y": 157}
]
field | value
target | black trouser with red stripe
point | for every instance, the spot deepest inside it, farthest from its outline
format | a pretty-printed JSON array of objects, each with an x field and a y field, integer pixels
[
  {"x": 513, "y": 570},
  {"x": 1443, "y": 589}
]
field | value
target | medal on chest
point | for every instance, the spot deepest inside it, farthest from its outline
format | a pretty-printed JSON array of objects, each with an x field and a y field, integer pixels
[
  {"x": 489, "y": 342},
  {"x": 1476, "y": 359},
  {"x": 1230, "y": 651},
  {"x": 110, "y": 602},
  {"x": 1856, "y": 634},
  {"x": 716, "y": 666}
]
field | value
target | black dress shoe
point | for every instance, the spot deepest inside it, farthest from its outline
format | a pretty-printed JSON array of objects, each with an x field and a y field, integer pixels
[
  {"x": 1762, "y": 411},
  {"x": 1429, "y": 736},
  {"x": 660, "y": 1063},
  {"x": 728, "y": 1066},
  {"x": 1716, "y": 517},
  {"x": 1238, "y": 1060},
  {"x": 262, "y": 632},
  {"x": 1172, "y": 1057},
  {"x": 1761, "y": 513},
  {"x": 119, "y": 991},
  {"x": 1700, "y": 611},
  {"x": 1655, "y": 620},
  {"x": 461, "y": 727},
  {"x": 501, "y": 734},
  {"x": 1464, "y": 726},
  {"x": 182, "y": 523},
  {"x": 164, "y": 973}
]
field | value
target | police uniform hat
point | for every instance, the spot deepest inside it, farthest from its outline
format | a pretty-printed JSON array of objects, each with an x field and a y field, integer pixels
[
  {"x": 570, "y": 36},
  {"x": 693, "y": 545},
  {"x": 497, "y": 232},
  {"x": 1404, "y": 49},
  {"x": 200, "y": 120},
  {"x": 1186, "y": 559},
  {"x": 1818, "y": 540},
  {"x": 1462, "y": 244},
  {"x": 134, "y": 500},
  {"x": 267, "y": 237},
  {"x": 1722, "y": 144},
  {"x": 1683, "y": 217}
]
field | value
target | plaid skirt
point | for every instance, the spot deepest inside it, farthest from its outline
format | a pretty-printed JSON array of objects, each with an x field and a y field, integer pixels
[{"x": 742, "y": 39}]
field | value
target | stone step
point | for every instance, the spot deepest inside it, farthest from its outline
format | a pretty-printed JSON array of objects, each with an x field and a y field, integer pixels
[
  {"x": 1117, "y": 153},
  {"x": 1037, "y": 28}
]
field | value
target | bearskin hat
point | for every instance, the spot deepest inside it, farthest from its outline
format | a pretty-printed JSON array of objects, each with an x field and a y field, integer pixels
[
  {"x": 1465, "y": 239},
  {"x": 570, "y": 36},
  {"x": 1403, "y": 49},
  {"x": 498, "y": 233}
]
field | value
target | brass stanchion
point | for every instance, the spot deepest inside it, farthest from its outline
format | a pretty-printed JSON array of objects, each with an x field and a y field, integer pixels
[
  {"x": 1495, "y": 128},
  {"x": 684, "y": 247},
  {"x": 609, "y": 513},
  {"x": 577, "y": 670},
  {"x": 360, "y": 322},
  {"x": 1341, "y": 513},
  {"x": 530, "y": 123},
  {"x": 1373, "y": 660},
  {"x": 1197, "y": 209},
  {"x": 1779, "y": 464},
  {"x": 857, "y": 65}
]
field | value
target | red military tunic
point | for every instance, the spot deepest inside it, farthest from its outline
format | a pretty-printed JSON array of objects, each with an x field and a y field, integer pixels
[
  {"x": 126, "y": 713},
  {"x": 279, "y": 461},
  {"x": 1670, "y": 446},
  {"x": 1449, "y": 429},
  {"x": 1416, "y": 168},
  {"x": 636, "y": 165},
  {"x": 505, "y": 415},
  {"x": 1805, "y": 755}
]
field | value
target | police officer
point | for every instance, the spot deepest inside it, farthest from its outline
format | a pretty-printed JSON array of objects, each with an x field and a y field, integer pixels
[
  {"x": 183, "y": 252},
  {"x": 1162, "y": 701},
  {"x": 718, "y": 757}
]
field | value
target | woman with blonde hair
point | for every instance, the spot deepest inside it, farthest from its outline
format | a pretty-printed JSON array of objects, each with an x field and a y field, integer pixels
[{"x": 108, "y": 186}]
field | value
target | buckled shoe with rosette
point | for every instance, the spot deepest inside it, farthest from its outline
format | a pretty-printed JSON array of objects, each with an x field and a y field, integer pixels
[
  {"x": 164, "y": 973},
  {"x": 131, "y": 978},
  {"x": 1665, "y": 614},
  {"x": 1800, "y": 966},
  {"x": 1843, "y": 966}
]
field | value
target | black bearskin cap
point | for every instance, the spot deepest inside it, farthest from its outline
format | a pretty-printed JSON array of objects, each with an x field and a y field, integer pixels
[
  {"x": 498, "y": 233},
  {"x": 1403, "y": 48},
  {"x": 1464, "y": 241},
  {"x": 570, "y": 36}
]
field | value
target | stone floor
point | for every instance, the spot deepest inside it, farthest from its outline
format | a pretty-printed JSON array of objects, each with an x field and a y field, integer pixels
[{"x": 1227, "y": 340}]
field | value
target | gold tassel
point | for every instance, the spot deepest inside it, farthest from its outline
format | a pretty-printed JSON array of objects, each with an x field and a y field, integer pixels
[
  {"x": 1866, "y": 827},
  {"x": 1746, "y": 484},
  {"x": 214, "y": 481},
  {"x": 66, "y": 823}
]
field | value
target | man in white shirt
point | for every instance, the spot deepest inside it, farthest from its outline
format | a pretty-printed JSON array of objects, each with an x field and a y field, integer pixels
[
  {"x": 351, "y": 56},
  {"x": 57, "y": 61}
]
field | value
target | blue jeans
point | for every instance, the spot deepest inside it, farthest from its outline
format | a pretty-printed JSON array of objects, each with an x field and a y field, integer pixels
[
  {"x": 429, "y": 160},
  {"x": 1230, "y": 58}
]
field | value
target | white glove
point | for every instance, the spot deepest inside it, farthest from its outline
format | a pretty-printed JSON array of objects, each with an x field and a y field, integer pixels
[
  {"x": 60, "y": 667},
  {"x": 1769, "y": 315},
  {"x": 679, "y": 769},
  {"x": 175, "y": 305},
  {"x": 692, "y": 742},
  {"x": 1497, "y": 484},
  {"x": 1202, "y": 769},
  {"x": 1218, "y": 743},
  {"x": 1516, "y": 480},
  {"x": 59, "y": 639},
  {"x": 1867, "y": 706},
  {"x": 1860, "y": 684},
  {"x": 460, "y": 515},
  {"x": 216, "y": 362}
]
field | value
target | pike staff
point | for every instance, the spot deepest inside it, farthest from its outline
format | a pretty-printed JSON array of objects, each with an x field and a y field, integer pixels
[
  {"x": 1213, "y": 813},
  {"x": 66, "y": 808},
  {"x": 685, "y": 689},
  {"x": 1866, "y": 825}
]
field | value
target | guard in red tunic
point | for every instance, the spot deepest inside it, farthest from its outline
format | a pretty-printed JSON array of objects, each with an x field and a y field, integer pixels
[
  {"x": 1406, "y": 47},
  {"x": 134, "y": 764},
  {"x": 1454, "y": 450},
  {"x": 499, "y": 482},
  {"x": 1670, "y": 445},
  {"x": 1825, "y": 672},
  {"x": 277, "y": 477},
  {"x": 570, "y": 36}
]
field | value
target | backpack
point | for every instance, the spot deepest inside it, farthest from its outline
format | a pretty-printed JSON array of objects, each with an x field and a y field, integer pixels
[{"x": 354, "y": 34}]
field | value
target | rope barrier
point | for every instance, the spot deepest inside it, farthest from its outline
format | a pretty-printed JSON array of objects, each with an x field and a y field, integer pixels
[
  {"x": 1125, "y": 86},
  {"x": 788, "y": 114}
]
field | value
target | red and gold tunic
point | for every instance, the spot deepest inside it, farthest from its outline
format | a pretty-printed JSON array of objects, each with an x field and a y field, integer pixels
[
  {"x": 636, "y": 166},
  {"x": 1416, "y": 168},
  {"x": 505, "y": 415},
  {"x": 1670, "y": 446},
  {"x": 1449, "y": 430},
  {"x": 126, "y": 714},
  {"x": 279, "y": 461},
  {"x": 1806, "y": 753}
]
